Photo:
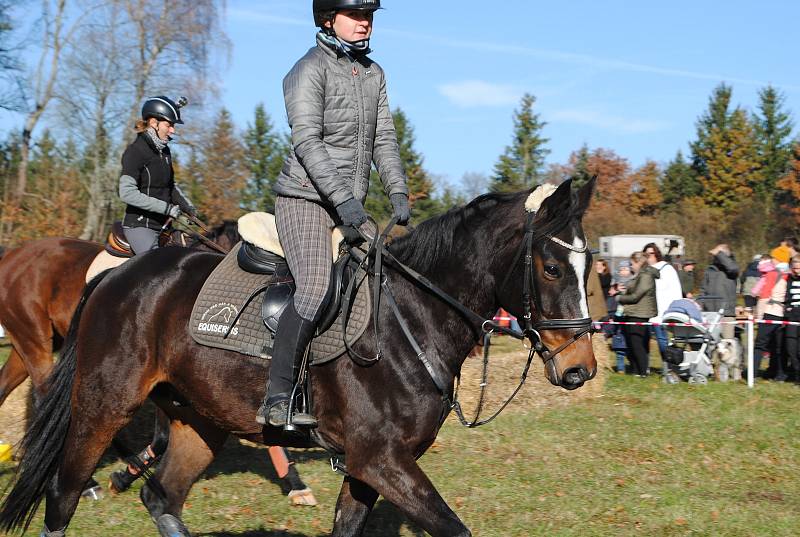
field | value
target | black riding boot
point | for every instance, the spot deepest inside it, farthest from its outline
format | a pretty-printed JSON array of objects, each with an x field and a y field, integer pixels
[{"x": 292, "y": 336}]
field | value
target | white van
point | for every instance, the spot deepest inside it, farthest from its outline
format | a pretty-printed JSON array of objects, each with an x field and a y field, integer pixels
[{"x": 615, "y": 248}]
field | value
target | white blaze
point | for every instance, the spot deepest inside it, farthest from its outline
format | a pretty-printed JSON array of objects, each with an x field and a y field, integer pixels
[{"x": 578, "y": 262}]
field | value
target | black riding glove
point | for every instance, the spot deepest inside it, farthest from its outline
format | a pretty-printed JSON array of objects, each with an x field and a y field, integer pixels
[
  {"x": 400, "y": 206},
  {"x": 351, "y": 213}
]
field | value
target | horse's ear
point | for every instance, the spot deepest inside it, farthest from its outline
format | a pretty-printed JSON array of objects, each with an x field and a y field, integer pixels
[
  {"x": 556, "y": 202},
  {"x": 585, "y": 195}
]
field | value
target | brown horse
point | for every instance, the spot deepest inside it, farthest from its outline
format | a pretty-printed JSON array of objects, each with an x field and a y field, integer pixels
[
  {"x": 40, "y": 285},
  {"x": 488, "y": 254}
]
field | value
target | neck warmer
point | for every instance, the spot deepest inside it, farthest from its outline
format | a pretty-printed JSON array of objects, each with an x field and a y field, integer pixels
[
  {"x": 158, "y": 142},
  {"x": 352, "y": 50}
]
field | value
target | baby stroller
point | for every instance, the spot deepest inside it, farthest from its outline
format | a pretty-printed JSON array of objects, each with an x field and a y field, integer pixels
[{"x": 690, "y": 347}]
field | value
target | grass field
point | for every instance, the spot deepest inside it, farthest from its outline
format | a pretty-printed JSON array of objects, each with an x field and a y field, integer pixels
[{"x": 642, "y": 459}]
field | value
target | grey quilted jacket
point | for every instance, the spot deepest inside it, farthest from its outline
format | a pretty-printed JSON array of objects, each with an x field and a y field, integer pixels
[{"x": 340, "y": 120}]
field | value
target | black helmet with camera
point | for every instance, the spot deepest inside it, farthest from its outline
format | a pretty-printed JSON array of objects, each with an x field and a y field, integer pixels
[{"x": 164, "y": 108}]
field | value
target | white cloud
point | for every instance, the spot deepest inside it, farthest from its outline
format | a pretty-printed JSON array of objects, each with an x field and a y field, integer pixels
[
  {"x": 595, "y": 62},
  {"x": 606, "y": 121},
  {"x": 473, "y": 93}
]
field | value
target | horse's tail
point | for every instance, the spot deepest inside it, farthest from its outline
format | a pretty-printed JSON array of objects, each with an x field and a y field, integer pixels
[{"x": 44, "y": 441}]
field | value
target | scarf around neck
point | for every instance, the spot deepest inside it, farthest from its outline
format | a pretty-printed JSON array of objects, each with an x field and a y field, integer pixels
[
  {"x": 158, "y": 142},
  {"x": 352, "y": 50}
]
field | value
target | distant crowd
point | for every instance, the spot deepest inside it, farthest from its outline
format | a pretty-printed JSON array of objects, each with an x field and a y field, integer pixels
[{"x": 643, "y": 288}]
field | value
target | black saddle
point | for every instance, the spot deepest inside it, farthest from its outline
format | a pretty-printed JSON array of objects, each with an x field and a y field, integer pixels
[{"x": 280, "y": 288}]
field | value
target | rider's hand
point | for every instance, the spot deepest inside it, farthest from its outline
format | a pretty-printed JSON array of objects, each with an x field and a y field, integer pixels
[
  {"x": 351, "y": 212},
  {"x": 174, "y": 211},
  {"x": 401, "y": 209}
]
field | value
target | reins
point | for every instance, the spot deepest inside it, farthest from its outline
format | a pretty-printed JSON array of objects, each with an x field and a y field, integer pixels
[
  {"x": 487, "y": 326},
  {"x": 195, "y": 235}
]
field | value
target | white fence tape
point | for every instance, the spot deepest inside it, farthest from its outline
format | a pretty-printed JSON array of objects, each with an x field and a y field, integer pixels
[{"x": 748, "y": 324}]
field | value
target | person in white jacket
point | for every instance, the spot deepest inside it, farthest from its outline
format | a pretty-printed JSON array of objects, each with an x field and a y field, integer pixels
[{"x": 668, "y": 289}]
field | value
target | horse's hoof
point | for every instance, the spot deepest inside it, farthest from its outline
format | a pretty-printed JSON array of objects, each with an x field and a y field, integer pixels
[
  {"x": 93, "y": 493},
  {"x": 302, "y": 497},
  {"x": 171, "y": 526}
]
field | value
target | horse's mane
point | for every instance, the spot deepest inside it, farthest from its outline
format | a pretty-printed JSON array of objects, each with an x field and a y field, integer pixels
[
  {"x": 228, "y": 228},
  {"x": 432, "y": 239}
]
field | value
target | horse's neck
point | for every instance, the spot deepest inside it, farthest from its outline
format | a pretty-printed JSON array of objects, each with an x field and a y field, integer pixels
[{"x": 464, "y": 277}]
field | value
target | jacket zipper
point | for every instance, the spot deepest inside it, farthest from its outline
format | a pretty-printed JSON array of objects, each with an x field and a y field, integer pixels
[{"x": 359, "y": 130}]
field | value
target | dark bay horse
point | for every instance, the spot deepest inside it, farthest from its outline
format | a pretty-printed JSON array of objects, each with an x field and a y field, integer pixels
[
  {"x": 381, "y": 417},
  {"x": 40, "y": 285}
]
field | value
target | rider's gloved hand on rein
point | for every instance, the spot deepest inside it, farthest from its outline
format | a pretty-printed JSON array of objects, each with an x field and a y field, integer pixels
[
  {"x": 352, "y": 213},
  {"x": 174, "y": 211},
  {"x": 401, "y": 209}
]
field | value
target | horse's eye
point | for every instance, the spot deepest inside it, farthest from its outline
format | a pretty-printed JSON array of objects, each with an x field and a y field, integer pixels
[{"x": 552, "y": 271}]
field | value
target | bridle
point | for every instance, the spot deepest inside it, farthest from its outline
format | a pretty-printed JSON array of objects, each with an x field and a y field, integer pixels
[
  {"x": 530, "y": 295},
  {"x": 582, "y": 326}
]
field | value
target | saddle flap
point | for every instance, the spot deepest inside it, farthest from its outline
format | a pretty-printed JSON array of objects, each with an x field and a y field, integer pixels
[
  {"x": 256, "y": 260},
  {"x": 116, "y": 243}
]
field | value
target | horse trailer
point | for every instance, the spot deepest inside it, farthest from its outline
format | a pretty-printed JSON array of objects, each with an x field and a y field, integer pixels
[{"x": 616, "y": 248}]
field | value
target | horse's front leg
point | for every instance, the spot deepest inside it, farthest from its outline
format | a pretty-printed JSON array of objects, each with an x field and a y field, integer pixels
[
  {"x": 355, "y": 502},
  {"x": 399, "y": 479}
]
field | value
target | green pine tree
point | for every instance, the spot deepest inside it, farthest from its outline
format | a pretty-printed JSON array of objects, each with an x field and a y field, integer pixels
[
  {"x": 715, "y": 118},
  {"x": 420, "y": 184},
  {"x": 773, "y": 128},
  {"x": 521, "y": 165},
  {"x": 679, "y": 182},
  {"x": 265, "y": 152},
  {"x": 580, "y": 175}
]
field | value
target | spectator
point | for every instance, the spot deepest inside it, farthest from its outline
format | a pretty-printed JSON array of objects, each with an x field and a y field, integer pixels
[
  {"x": 617, "y": 333},
  {"x": 639, "y": 300},
  {"x": 668, "y": 289},
  {"x": 749, "y": 278},
  {"x": 601, "y": 267},
  {"x": 791, "y": 244},
  {"x": 771, "y": 293},
  {"x": 719, "y": 285},
  {"x": 686, "y": 277},
  {"x": 792, "y": 313}
]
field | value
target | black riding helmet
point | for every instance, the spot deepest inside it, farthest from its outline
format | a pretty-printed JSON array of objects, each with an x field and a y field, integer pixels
[
  {"x": 164, "y": 108},
  {"x": 324, "y": 9}
]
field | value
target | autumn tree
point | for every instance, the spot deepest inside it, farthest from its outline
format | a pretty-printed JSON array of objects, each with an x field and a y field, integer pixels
[
  {"x": 789, "y": 188},
  {"x": 645, "y": 192},
  {"x": 221, "y": 171},
  {"x": 521, "y": 164},
  {"x": 265, "y": 152},
  {"x": 731, "y": 162}
]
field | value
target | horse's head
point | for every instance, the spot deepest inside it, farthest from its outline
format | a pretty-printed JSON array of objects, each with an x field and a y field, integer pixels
[{"x": 552, "y": 288}]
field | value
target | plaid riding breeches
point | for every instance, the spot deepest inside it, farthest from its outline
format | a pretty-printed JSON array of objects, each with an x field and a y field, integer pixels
[{"x": 304, "y": 229}]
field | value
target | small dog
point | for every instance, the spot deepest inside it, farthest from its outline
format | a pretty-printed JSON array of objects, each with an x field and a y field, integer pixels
[{"x": 729, "y": 356}]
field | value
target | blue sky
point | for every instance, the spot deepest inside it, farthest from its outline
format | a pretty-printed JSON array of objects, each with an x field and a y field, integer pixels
[{"x": 629, "y": 76}]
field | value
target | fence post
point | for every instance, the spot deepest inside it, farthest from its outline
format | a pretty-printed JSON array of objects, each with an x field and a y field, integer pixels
[{"x": 750, "y": 352}]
